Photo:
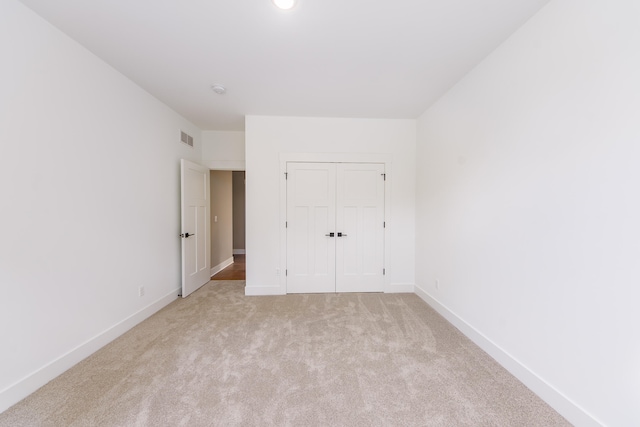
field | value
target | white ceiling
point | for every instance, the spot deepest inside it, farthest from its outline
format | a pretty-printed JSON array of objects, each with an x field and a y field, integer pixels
[{"x": 324, "y": 58}]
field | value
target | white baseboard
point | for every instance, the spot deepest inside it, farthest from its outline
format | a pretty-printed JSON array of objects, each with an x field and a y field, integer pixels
[
  {"x": 401, "y": 288},
  {"x": 24, "y": 387},
  {"x": 224, "y": 264},
  {"x": 239, "y": 251},
  {"x": 262, "y": 290},
  {"x": 558, "y": 401}
]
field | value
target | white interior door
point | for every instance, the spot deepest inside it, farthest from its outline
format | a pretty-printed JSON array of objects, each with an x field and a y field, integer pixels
[
  {"x": 335, "y": 227},
  {"x": 195, "y": 205},
  {"x": 360, "y": 228},
  {"x": 311, "y": 199}
]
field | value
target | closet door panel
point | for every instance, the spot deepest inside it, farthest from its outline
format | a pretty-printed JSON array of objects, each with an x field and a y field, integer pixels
[
  {"x": 311, "y": 198},
  {"x": 360, "y": 228}
]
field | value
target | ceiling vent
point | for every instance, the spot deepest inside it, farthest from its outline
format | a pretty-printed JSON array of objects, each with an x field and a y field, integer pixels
[{"x": 186, "y": 138}]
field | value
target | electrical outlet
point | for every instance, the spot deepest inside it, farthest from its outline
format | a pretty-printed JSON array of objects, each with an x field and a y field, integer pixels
[{"x": 141, "y": 291}]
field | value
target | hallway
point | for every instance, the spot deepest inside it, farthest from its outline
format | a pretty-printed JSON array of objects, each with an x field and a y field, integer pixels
[{"x": 236, "y": 271}]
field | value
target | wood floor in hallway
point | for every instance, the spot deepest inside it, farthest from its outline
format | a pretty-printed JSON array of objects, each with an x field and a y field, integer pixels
[{"x": 236, "y": 271}]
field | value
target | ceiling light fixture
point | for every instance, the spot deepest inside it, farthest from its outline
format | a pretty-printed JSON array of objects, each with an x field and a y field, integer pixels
[
  {"x": 284, "y": 4},
  {"x": 219, "y": 89}
]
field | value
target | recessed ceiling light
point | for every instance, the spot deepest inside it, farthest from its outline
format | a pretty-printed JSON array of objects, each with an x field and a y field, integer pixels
[
  {"x": 219, "y": 89},
  {"x": 285, "y": 4}
]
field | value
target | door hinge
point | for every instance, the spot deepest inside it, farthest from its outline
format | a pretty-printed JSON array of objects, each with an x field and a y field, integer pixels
[
  {"x": 286, "y": 272},
  {"x": 384, "y": 271},
  {"x": 286, "y": 224},
  {"x": 286, "y": 175},
  {"x": 384, "y": 176},
  {"x": 384, "y": 224}
]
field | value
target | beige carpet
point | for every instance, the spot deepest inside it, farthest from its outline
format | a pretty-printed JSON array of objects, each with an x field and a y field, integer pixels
[{"x": 220, "y": 358}]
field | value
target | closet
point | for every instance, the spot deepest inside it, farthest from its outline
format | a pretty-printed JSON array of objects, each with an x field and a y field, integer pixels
[{"x": 335, "y": 227}]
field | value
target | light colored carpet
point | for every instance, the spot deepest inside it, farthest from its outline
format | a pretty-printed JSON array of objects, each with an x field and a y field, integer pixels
[{"x": 219, "y": 358}]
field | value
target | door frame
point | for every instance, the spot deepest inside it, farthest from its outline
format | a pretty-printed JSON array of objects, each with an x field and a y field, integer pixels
[{"x": 332, "y": 158}]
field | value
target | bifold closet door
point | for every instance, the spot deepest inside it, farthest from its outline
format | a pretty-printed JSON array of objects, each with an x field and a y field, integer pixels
[{"x": 335, "y": 227}]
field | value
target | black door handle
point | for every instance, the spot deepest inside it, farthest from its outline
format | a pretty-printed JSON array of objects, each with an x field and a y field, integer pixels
[
  {"x": 330, "y": 234},
  {"x": 186, "y": 235},
  {"x": 342, "y": 235}
]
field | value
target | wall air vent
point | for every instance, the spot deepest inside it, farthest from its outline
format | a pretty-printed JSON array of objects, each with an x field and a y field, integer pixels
[{"x": 186, "y": 138}]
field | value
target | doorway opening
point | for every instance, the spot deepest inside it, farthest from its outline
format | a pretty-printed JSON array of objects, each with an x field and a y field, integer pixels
[
  {"x": 235, "y": 271},
  {"x": 228, "y": 225}
]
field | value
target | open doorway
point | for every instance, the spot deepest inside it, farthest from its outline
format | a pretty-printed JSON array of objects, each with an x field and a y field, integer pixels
[
  {"x": 228, "y": 225},
  {"x": 235, "y": 271}
]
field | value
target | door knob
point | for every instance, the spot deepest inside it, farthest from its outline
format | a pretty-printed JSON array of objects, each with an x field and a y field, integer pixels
[
  {"x": 330, "y": 234},
  {"x": 342, "y": 235},
  {"x": 186, "y": 235}
]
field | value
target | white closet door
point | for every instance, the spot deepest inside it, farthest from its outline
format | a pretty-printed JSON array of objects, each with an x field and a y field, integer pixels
[
  {"x": 335, "y": 227},
  {"x": 360, "y": 228},
  {"x": 311, "y": 205}
]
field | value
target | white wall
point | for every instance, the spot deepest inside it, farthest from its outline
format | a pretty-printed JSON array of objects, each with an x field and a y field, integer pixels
[
  {"x": 221, "y": 188},
  {"x": 528, "y": 207},
  {"x": 223, "y": 150},
  {"x": 238, "y": 211},
  {"x": 89, "y": 202},
  {"x": 268, "y": 139}
]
